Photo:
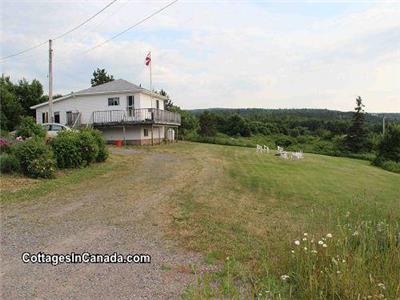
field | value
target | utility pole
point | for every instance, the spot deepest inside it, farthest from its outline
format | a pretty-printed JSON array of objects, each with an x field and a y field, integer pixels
[{"x": 51, "y": 116}]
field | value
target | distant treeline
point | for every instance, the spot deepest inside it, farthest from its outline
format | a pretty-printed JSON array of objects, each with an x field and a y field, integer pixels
[{"x": 353, "y": 134}]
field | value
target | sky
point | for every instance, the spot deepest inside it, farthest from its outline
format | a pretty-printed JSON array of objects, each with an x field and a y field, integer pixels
[{"x": 261, "y": 54}]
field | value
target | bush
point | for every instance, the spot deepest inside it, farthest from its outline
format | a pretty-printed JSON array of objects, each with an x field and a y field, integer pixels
[
  {"x": 30, "y": 150},
  {"x": 4, "y": 145},
  {"x": 391, "y": 166},
  {"x": 67, "y": 150},
  {"x": 284, "y": 141},
  {"x": 102, "y": 155},
  {"x": 73, "y": 149},
  {"x": 43, "y": 167},
  {"x": 8, "y": 163},
  {"x": 29, "y": 128},
  {"x": 88, "y": 146}
]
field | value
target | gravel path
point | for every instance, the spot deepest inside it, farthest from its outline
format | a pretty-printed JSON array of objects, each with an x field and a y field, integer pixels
[{"x": 119, "y": 212}]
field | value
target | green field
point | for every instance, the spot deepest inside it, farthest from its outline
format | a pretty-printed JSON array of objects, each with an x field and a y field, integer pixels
[
  {"x": 244, "y": 211},
  {"x": 250, "y": 207}
]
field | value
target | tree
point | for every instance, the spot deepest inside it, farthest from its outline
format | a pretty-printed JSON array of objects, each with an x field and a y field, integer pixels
[
  {"x": 100, "y": 76},
  {"x": 189, "y": 122},
  {"x": 10, "y": 107},
  {"x": 28, "y": 94},
  {"x": 357, "y": 140},
  {"x": 237, "y": 125},
  {"x": 207, "y": 123},
  {"x": 389, "y": 147},
  {"x": 168, "y": 105}
]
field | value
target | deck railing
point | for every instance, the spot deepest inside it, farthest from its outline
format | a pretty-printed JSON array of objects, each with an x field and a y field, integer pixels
[{"x": 142, "y": 115}]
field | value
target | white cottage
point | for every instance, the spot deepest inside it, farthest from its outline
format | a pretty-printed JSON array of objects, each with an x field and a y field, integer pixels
[{"x": 120, "y": 109}]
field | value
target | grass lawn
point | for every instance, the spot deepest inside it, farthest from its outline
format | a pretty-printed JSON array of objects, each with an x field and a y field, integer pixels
[
  {"x": 247, "y": 211},
  {"x": 250, "y": 208}
]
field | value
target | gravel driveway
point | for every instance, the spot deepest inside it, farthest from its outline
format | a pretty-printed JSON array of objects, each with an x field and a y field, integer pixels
[{"x": 121, "y": 211}]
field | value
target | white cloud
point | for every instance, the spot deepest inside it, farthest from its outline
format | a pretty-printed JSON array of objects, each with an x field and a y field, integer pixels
[{"x": 219, "y": 54}]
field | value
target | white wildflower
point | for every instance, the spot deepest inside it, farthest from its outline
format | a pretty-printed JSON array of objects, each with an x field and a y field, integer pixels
[
  {"x": 343, "y": 260},
  {"x": 296, "y": 242},
  {"x": 305, "y": 248},
  {"x": 338, "y": 272},
  {"x": 284, "y": 277},
  {"x": 324, "y": 245},
  {"x": 312, "y": 240},
  {"x": 292, "y": 251},
  {"x": 320, "y": 242},
  {"x": 314, "y": 251},
  {"x": 355, "y": 233},
  {"x": 305, "y": 234},
  {"x": 329, "y": 235},
  {"x": 382, "y": 286},
  {"x": 304, "y": 239},
  {"x": 227, "y": 258}
]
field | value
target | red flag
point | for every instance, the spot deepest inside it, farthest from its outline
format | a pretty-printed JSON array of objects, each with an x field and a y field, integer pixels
[{"x": 148, "y": 59}]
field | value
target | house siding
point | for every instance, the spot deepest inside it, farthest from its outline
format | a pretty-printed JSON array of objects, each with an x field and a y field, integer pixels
[{"x": 86, "y": 105}]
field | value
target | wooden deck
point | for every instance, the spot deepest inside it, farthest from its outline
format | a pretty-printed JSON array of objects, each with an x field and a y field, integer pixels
[{"x": 135, "y": 116}]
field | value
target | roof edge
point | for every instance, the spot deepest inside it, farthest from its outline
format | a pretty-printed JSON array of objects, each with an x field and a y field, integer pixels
[{"x": 73, "y": 95}]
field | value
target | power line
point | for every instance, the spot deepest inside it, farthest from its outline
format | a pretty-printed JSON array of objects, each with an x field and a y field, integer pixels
[
  {"x": 131, "y": 27},
  {"x": 59, "y": 36},
  {"x": 80, "y": 25}
]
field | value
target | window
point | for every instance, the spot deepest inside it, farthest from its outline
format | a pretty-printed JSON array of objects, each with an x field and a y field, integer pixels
[
  {"x": 45, "y": 117},
  {"x": 158, "y": 104},
  {"x": 145, "y": 132},
  {"x": 57, "y": 117},
  {"x": 130, "y": 105},
  {"x": 69, "y": 118},
  {"x": 56, "y": 127},
  {"x": 113, "y": 101}
]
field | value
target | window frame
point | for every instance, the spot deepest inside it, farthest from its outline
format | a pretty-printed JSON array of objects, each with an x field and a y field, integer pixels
[
  {"x": 57, "y": 113},
  {"x": 113, "y": 101},
  {"x": 145, "y": 132}
]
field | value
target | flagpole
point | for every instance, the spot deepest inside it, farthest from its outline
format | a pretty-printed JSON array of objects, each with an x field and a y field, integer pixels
[{"x": 151, "y": 83}]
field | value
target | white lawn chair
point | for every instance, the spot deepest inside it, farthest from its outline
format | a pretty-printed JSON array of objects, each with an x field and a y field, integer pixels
[
  {"x": 259, "y": 148},
  {"x": 266, "y": 149},
  {"x": 284, "y": 155}
]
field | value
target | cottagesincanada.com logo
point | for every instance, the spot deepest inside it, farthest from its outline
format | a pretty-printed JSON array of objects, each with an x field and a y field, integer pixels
[{"x": 85, "y": 258}]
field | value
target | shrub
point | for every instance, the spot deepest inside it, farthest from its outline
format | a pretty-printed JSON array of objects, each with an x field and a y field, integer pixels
[
  {"x": 102, "y": 155},
  {"x": 8, "y": 163},
  {"x": 88, "y": 146},
  {"x": 391, "y": 166},
  {"x": 67, "y": 150},
  {"x": 28, "y": 151},
  {"x": 29, "y": 128},
  {"x": 389, "y": 146},
  {"x": 284, "y": 141},
  {"x": 43, "y": 167},
  {"x": 73, "y": 149},
  {"x": 4, "y": 145}
]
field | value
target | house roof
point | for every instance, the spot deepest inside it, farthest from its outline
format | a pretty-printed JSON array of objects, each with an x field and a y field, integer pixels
[
  {"x": 119, "y": 85},
  {"x": 112, "y": 87}
]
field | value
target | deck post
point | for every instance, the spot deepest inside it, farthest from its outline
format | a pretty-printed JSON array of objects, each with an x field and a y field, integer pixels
[
  {"x": 123, "y": 132},
  {"x": 152, "y": 137}
]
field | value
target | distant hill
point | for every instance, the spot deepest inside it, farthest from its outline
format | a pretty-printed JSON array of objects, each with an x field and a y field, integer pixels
[{"x": 303, "y": 113}]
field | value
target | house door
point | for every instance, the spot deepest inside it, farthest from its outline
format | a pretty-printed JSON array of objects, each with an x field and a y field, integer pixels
[
  {"x": 69, "y": 118},
  {"x": 130, "y": 106}
]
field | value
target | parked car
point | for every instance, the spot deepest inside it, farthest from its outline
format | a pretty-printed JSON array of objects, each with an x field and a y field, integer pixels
[{"x": 54, "y": 128}]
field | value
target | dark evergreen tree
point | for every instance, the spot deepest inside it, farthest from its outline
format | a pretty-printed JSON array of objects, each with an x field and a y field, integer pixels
[
  {"x": 168, "y": 105},
  {"x": 207, "y": 123},
  {"x": 357, "y": 139},
  {"x": 100, "y": 76}
]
